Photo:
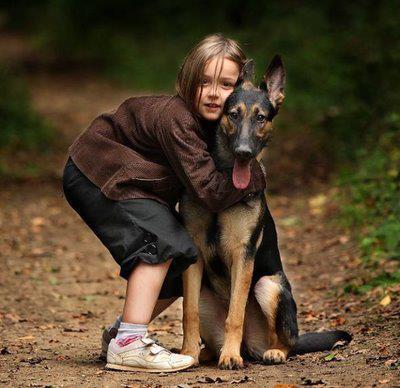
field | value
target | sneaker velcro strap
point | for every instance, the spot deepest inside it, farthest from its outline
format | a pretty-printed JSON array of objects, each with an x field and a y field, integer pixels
[
  {"x": 147, "y": 340},
  {"x": 155, "y": 349}
]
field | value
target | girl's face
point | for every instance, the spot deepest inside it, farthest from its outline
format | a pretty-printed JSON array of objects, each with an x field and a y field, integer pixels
[{"x": 214, "y": 90}]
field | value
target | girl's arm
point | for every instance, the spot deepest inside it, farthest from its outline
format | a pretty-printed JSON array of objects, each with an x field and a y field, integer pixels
[{"x": 188, "y": 155}]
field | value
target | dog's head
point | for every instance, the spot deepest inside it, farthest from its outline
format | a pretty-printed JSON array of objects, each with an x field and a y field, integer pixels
[{"x": 248, "y": 115}]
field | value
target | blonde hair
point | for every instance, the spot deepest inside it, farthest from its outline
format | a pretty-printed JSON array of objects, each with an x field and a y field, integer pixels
[{"x": 192, "y": 69}]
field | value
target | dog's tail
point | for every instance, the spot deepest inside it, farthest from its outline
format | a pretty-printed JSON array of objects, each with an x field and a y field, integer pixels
[{"x": 316, "y": 342}]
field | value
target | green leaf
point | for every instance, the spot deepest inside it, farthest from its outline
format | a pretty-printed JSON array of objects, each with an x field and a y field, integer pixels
[{"x": 330, "y": 357}]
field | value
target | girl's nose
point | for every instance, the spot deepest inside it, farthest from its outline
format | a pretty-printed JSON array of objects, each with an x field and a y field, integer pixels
[{"x": 213, "y": 92}]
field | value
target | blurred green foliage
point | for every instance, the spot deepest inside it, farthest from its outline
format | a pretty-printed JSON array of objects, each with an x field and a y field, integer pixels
[
  {"x": 371, "y": 203},
  {"x": 342, "y": 60},
  {"x": 342, "y": 57},
  {"x": 384, "y": 280},
  {"x": 20, "y": 126}
]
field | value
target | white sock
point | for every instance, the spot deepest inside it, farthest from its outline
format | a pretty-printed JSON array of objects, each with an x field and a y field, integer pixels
[
  {"x": 130, "y": 332},
  {"x": 116, "y": 324}
]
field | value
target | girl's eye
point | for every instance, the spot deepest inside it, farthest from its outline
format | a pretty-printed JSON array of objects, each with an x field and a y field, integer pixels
[
  {"x": 227, "y": 85},
  {"x": 233, "y": 115},
  {"x": 204, "y": 81},
  {"x": 260, "y": 118}
]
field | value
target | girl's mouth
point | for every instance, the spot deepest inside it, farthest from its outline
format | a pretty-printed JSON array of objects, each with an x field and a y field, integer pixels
[{"x": 212, "y": 106}]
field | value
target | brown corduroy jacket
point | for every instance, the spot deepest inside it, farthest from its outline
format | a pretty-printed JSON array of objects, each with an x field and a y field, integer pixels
[{"x": 153, "y": 147}]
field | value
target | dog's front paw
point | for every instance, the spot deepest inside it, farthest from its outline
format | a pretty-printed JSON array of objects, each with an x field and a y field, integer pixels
[
  {"x": 230, "y": 362},
  {"x": 274, "y": 356},
  {"x": 192, "y": 351}
]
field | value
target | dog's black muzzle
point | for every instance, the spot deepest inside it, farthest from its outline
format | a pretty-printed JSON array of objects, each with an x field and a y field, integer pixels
[{"x": 243, "y": 152}]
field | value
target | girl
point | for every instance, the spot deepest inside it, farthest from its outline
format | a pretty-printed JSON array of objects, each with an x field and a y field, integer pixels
[{"x": 124, "y": 176}]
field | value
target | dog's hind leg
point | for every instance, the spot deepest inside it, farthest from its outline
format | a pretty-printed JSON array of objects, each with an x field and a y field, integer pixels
[
  {"x": 255, "y": 330},
  {"x": 276, "y": 301},
  {"x": 213, "y": 312}
]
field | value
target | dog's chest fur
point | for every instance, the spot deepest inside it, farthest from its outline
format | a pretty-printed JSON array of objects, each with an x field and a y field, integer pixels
[{"x": 233, "y": 234}]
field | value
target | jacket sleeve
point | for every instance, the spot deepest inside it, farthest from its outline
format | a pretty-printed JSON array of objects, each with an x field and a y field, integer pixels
[{"x": 188, "y": 155}]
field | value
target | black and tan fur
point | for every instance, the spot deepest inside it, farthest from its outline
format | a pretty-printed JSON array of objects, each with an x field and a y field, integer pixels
[{"x": 237, "y": 297}]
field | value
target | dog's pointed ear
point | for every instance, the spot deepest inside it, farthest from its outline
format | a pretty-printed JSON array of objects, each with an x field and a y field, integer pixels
[
  {"x": 247, "y": 73},
  {"x": 274, "y": 82}
]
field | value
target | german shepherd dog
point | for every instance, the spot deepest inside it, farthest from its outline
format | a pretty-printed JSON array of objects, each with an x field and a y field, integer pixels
[{"x": 243, "y": 305}]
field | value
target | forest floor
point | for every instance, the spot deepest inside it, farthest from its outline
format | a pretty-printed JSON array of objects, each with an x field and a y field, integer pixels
[{"x": 59, "y": 286}]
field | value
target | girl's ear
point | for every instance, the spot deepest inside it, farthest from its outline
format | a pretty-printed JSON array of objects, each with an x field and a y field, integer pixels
[
  {"x": 247, "y": 73},
  {"x": 274, "y": 82}
]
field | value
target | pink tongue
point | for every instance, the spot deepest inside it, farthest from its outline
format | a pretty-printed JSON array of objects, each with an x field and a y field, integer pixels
[{"x": 241, "y": 174}]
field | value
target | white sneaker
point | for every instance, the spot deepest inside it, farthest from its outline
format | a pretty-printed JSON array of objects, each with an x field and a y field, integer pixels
[{"x": 146, "y": 356}]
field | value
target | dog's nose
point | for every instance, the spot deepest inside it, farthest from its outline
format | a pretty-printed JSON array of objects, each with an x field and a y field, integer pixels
[{"x": 243, "y": 152}]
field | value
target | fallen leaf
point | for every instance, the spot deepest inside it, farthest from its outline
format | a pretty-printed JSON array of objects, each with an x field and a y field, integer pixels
[
  {"x": 245, "y": 379},
  {"x": 36, "y": 252},
  {"x": 88, "y": 314},
  {"x": 74, "y": 330},
  {"x": 87, "y": 298},
  {"x": 285, "y": 386},
  {"x": 210, "y": 380},
  {"x": 339, "y": 344},
  {"x": 13, "y": 317},
  {"x": 318, "y": 201},
  {"x": 26, "y": 338},
  {"x": 38, "y": 221},
  {"x": 310, "y": 317},
  {"x": 306, "y": 381},
  {"x": 338, "y": 321},
  {"x": 4, "y": 350},
  {"x": 33, "y": 360},
  {"x": 48, "y": 326},
  {"x": 330, "y": 357},
  {"x": 385, "y": 301},
  {"x": 390, "y": 363}
]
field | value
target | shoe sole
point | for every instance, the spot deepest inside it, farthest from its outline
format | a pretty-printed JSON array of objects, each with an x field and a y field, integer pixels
[{"x": 139, "y": 369}]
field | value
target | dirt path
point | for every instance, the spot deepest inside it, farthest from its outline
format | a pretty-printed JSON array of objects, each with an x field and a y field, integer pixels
[{"x": 59, "y": 287}]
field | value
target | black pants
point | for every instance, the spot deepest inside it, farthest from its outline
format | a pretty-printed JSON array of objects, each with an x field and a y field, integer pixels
[{"x": 132, "y": 230}]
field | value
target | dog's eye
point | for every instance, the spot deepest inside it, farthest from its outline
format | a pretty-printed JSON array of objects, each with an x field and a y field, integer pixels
[
  {"x": 233, "y": 115},
  {"x": 260, "y": 118}
]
